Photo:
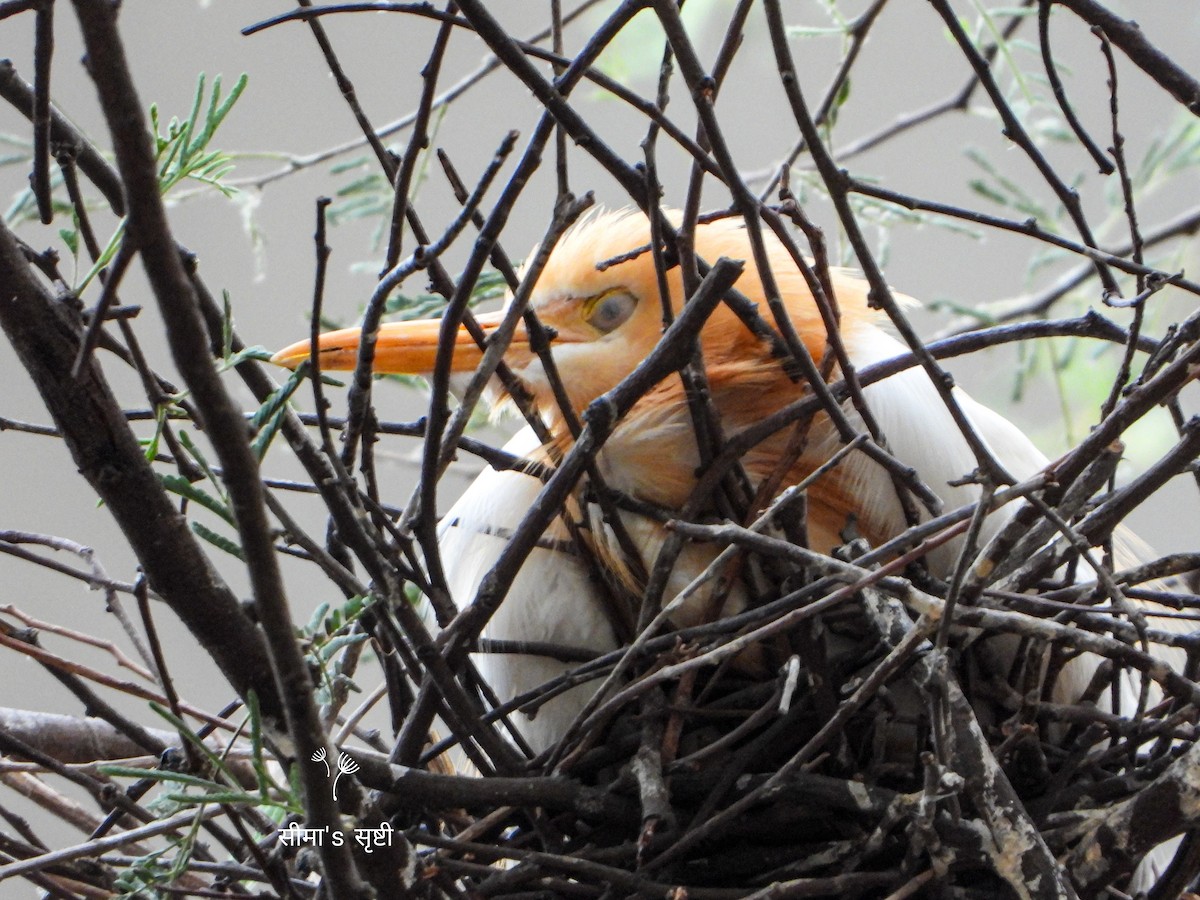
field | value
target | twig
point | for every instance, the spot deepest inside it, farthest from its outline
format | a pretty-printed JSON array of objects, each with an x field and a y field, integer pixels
[
  {"x": 185, "y": 330},
  {"x": 98, "y": 846},
  {"x": 43, "y": 52},
  {"x": 1129, "y": 37}
]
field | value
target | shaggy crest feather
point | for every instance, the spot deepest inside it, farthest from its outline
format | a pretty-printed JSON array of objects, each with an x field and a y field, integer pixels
[{"x": 613, "y": 239}]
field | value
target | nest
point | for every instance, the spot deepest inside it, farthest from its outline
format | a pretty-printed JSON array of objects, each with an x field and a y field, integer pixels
[{"x": 899, "y": 749}]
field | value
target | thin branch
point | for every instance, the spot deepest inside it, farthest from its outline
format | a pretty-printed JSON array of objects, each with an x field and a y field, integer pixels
[{"x": 1127, "y": 35}]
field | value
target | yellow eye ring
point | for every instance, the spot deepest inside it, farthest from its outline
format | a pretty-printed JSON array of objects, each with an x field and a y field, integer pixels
[{"x": 610, "y": 310}]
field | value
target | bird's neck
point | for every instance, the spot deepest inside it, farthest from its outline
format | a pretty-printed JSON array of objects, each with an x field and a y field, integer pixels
[{"x": 652, "y": 455}]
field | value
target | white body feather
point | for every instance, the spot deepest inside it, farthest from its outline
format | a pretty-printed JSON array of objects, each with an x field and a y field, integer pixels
[{"x": 554, "y": 598}]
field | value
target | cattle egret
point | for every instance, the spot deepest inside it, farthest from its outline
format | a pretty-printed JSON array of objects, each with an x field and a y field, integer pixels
[{"x": 605, "y": 319}]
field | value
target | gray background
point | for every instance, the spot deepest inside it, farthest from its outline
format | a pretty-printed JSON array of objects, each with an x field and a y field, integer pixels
[{"x": 292, "y": 107}]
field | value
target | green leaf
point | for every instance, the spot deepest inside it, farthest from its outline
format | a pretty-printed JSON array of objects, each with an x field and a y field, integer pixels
[
  {"x": 354, "y": 607},
  {"x": 262, "y": 441},
  {"x": 334, "y": 645},
  {"x": 314, "y": 621},
  {"x": 359, "y": 162},
  {"x": 368, "y": 184},
  {"x": 70, "y": 237},
  {"x": 154, "y": 129},
  {"x": 217, "y": 540},
  {"x": 226, "y": 795},
  {"x": 160, "y": 419},
  {"x": 184, "y": 152},
  {"x": 980, "y": 315},
  {"x": 257, "y": 352},
  {"x": 981, "y": 187},
  {"x": 217, "y": 762},
  {"x": 257, "y": 759},
  {"x": 162, "y": 775},
  {"x": 201, "y": 460},
  {"x": 270, "y": 416},
  {"x": 843, "y": 94},
  {"x": 177, "y": 484}
]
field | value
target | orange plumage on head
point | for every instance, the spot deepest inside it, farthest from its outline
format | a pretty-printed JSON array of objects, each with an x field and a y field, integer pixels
[
  {"x": 571, "y": 275},
  {"x": 653, "y": 454}
]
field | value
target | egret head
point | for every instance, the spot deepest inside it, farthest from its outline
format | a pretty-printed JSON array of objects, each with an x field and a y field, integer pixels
[{"x": 599, "y": 297}]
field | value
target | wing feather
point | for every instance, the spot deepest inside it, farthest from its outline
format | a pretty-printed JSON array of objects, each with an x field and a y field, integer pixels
[{"x": 553, "y": 599}]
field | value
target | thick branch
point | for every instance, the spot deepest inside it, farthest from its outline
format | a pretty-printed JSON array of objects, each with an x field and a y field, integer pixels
[
  {"x": 108, "y": 455},
  {"x": 148, "y": 227}
]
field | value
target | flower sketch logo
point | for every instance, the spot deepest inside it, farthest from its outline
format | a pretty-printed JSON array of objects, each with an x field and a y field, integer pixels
[
  {"x": 345, "y": 766},
  {"x": 297, "y": 834}
]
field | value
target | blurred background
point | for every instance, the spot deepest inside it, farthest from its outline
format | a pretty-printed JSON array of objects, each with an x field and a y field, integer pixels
[{"x": 257, "y": 245}]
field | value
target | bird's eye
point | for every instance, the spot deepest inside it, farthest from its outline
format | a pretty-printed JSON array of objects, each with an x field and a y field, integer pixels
[{"x": 609, "y": 312}]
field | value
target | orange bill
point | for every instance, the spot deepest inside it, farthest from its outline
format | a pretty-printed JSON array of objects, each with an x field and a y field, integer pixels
[{"x": 402, "y": 348}]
